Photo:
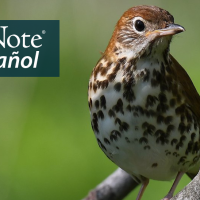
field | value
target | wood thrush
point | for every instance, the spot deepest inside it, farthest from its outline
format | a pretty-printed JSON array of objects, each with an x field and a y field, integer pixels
[{"x": 144, "y": 107}]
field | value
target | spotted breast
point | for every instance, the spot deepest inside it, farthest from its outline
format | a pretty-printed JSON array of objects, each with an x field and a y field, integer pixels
[{"x": 141, "y": 110}]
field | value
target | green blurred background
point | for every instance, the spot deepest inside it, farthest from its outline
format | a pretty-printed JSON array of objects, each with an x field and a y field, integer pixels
[{"x": 47, "y": 147}]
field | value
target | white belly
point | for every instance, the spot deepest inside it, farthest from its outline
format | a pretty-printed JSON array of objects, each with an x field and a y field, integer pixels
[{"x": 143, "y": 143}]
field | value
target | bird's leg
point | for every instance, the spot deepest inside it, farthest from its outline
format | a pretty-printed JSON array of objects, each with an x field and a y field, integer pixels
[
  {"x": 176, "y": 181},
  {"x": 142, "y": 189}
]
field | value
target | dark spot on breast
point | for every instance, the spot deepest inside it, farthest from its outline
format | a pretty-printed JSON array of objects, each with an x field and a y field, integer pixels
[
  {"x": 195, "y": 159},
  {"x": 168, "y": 153},
  {"x": 100, "y": 114},
  {"x": 146, "y": 76},
  {"x": 146, "y": 147},
  {"x": 172, "y": 102},
  {"x": 128, "y": 67},
  {"x": 103, "y": 102},
  {"x": 96, "y": 104},
  {"x": 188, "y": 116},
  {"x": 122, "y": 60},
  {"x": 154, "y": 82},
  {"x": 123, "y": 126},
  {"x": 179, "y": 144},
  {"x": 102, "y": 84},
  {"x": 170, "y": 128},
  {"x": 151, "y": 100},
  {"x": 164, "y": 87},
  {"x": 196, "y": 148},
  {"x": 117, "y": 86},
  {"x": 90, "y": 103},
  {"x": 140, "y": 110},
  {"x": 159, "y": 77},
  {"x": 129, "y": 95},
  {"x": 143, "y": 139},
  {"x": 117, "y": 68},
  {"x": 133, "y": 61},
  {"x": 90, "y": 85},
  {"x": 94, "y": 87},
  {"x": 183, "y": 138},
  {"x": 188, "y": 128},
  {"x": 162, "y": 140},
  {"x": 182, "y": 159},
  {"x": 95, "y": 116},
  {"x": 114, "y": 135},
  {"x": 119, "y": 106},
  {"x": 106, "y": 141},
  {"x": 115, "y": 49},
  {"x": 111, "y": 113},
  {"x": 160, "y": 119},
  {"x": 182, "y": 117},
  {"x": 168, "y": 120},
  {"x": 111, "y": 77},
  {"x": 175, "y": 154},
  {"x": 95, "y": 125},
  {"x": 162, "y": 98},
  {"x": 151, "y": 128},
  {"x": 145, "y": 125},
  {"x": 162, "y": 107},
  {"x": 101, "y": 145},
  {"x": 181, "y": 109},
  {"x": 152, "y": 113},
  {"x": 189, "y": 147},
  {"x": 117, "y": 121},
  {"x": 154, "y": 165},
  {"x": 127, "y": 139},
  {"x": 193, "y": 135},
  {"x": 104, "y": 70},
  {"x": 159, "y": 133},
  {"x": 182, "y": 127},
  {"x": 129, "y": 108},
  {"x": 97, "y": 70},
  {"x": 129, "y": 82}
]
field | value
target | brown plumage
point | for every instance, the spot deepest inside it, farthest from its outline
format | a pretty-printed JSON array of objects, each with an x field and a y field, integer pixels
[{"x": 143, "y": 105}]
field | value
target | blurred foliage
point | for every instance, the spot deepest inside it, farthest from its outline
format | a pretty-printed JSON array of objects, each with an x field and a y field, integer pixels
[{"x": 47, "y": 147}]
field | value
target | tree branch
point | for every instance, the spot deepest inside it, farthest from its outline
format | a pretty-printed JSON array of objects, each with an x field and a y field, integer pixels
[
  {"x": 115, "y": 187},
  {"x": 119, "y": 184}
]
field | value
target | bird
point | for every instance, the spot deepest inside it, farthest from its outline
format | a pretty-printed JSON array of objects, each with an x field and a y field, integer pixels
[{"x": 144, "y": 108}]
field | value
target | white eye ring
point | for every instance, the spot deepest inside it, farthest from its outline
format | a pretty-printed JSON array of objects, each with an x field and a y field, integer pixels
[{"x": 139, "y": 21}]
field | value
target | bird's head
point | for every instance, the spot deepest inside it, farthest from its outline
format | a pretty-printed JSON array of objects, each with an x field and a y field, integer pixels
[{"x": 140, "y": 30}]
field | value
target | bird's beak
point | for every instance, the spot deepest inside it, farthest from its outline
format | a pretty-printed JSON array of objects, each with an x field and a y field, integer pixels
[{"x": 171, "y": 29}]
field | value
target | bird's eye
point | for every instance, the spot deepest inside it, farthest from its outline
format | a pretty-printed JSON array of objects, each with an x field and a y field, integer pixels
[{"x": 139, "y": 25}]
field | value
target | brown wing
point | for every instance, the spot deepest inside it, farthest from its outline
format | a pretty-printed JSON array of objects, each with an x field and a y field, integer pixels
[{"x": 192, "y": 97}]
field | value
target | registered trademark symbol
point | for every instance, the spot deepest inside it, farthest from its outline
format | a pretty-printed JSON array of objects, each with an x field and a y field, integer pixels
[{"x": 43, "y": 32}]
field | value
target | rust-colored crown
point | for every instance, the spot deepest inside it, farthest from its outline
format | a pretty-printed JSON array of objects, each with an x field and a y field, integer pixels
[{"x": 160, "y": 18}]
